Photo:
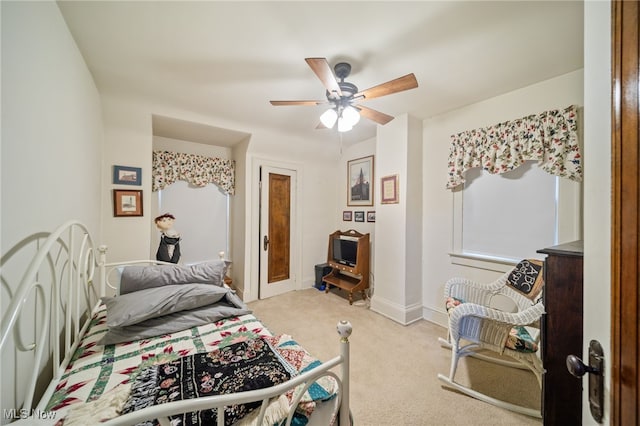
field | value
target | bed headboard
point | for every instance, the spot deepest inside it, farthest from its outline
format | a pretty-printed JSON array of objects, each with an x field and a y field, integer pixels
[{"x": 48, "y": 310}]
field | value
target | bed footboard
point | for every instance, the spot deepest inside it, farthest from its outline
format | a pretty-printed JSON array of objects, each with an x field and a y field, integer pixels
[{"x": 341, "y": 407}]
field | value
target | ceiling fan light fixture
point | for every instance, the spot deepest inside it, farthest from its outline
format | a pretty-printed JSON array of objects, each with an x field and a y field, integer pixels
[
  {"x": 344, "y": 125},
  {"x": 351, "y": 115},
  {"x": 328, "y": 118},
  {"x": 343, "y": 97}
]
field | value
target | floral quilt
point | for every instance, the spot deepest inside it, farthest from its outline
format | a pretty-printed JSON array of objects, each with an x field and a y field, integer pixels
[{"x": 96, "y": 369}]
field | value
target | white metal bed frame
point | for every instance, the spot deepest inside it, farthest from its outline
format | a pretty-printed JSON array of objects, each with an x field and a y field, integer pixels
[{"x": 65, "y": 265}]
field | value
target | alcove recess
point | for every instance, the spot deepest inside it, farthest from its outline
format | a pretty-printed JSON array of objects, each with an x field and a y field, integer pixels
[{"x": 351, "y": 278}]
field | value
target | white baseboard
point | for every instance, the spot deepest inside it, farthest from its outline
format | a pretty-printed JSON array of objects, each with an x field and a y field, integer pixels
[
  {"x": 240, "y": 293},
  {"x": 402, "y": 314},
  {"x": 435, "y": 316},
  {"x": 308, "y": 282}
]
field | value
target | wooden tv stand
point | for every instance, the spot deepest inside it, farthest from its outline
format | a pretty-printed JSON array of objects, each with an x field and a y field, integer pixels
[{"x": 350, "y": 278}]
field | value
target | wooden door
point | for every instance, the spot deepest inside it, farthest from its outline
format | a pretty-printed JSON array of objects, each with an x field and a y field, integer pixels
[
  {"x": 279, "y": 227},
  {"x": 276, "y": 231},
  {"x": 625, "y": 249}
]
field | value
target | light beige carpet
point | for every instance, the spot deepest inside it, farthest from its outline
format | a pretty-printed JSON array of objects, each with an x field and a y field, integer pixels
[{"x": 394, "y": 367}]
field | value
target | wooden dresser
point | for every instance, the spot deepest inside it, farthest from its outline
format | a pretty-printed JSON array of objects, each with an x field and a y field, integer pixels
[{"x": 562, "y": 334}]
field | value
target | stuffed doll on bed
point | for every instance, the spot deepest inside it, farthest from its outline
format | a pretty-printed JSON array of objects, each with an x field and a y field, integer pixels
[{"x": 169, "y": 248}]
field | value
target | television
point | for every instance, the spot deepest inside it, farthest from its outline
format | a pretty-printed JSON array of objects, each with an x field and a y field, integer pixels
[{"x": 345, "y": 251}]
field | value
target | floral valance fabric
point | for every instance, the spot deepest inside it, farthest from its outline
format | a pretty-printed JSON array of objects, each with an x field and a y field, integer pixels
[
  {"x": 550, "y": 137},
  {"x": 198, "y": 170}
]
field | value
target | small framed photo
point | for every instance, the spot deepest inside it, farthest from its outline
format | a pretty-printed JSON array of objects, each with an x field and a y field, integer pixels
[
  {"x": 346, "y": 215},
  {"x": 360, "y": 182},
  {"x": 371, "y": 216},
  {"x": 127, "y": 202},
  {"x": 124, "y": 175},
  {"x": 389, "y": 190},
  {"x": 359, "y": 216}
]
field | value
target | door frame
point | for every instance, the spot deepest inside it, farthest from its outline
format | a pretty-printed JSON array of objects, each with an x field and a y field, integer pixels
[{"x": 254, "y": 242}]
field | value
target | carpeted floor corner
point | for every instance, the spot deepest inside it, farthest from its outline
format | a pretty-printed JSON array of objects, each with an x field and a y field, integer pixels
[{"x": 394, "y": 368}]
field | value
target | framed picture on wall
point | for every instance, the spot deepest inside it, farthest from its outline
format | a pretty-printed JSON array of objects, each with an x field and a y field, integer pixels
[
  {"x": 124, "y": 175},
  {"x": 127, "y": 202},
  {"x": 359, "y": 216},
  {"x": 360, "y": 181},
  {"x": 346, "y": 215},
  {"x": 389, "y": 190},
  {"x": 371, "y": 216}
]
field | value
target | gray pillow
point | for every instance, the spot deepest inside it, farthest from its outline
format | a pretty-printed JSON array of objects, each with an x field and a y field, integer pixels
[
  {"x": 229, "y": 306},
  {"x": 135, "y": 277},
  {"x": 132, "y": 308}
]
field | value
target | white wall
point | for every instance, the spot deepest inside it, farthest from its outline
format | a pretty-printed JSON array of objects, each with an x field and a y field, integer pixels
[
  {"x": 51, "y": 147},
  {"x": 129, "y": 140},
  {"x": 597, "y": 191},
  {"x": 398, "y": 226},
  {"x": 413, "y": 220},
  {"x": 316, "y": 181},
  {"x": 352, "y": 152},
  {"x": 438, "y": 216},
  {"x": 318, "y": 214},
  {"x": 237, "y": 211}
]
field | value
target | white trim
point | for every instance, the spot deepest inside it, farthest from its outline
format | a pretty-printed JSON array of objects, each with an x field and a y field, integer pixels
[
  {"x": 404, "y": 315},
  {"x": 490, "y": 263},
  {"x": 436, "y": 317}
]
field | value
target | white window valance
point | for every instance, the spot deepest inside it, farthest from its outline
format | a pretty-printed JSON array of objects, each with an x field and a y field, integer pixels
[
  {"x": 550, "y": 137},
  {"x": 168, "y": 167}
]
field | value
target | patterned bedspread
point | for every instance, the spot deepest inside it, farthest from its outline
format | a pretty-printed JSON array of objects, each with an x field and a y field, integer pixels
[
  {"x": 95, "y": 369},
  {"x": 249, "y": 365}
]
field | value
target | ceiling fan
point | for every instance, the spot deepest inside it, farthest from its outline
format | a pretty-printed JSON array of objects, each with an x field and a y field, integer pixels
[{"x": 343, "y": 97}]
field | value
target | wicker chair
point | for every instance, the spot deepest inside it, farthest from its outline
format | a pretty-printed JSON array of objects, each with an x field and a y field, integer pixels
[{"x": 476, "y": 325}]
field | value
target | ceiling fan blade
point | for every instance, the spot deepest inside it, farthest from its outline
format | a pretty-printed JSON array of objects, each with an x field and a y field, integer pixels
[
  {"x": 372, "y": 114},
  {"x": 321, "y": 67},
  {"x": 311, "y": 103},
  {"x": 321, "y": 126},
  {"x": 394, "y": 86}
]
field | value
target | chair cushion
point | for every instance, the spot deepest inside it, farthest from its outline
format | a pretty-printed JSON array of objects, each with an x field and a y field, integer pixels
[
  {"x": 452, "y": 302},
  {"x": 527, "y": 278},
  {"x": 519, "y": 338}
]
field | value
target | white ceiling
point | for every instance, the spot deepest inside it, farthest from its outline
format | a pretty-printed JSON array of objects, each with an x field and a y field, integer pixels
[{"x": 227, "y": 60}]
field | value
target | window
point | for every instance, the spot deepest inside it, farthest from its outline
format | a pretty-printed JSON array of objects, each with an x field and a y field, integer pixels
[
  {"x": 501, "y": 219},
  {"x": 201, "y": 219}
]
